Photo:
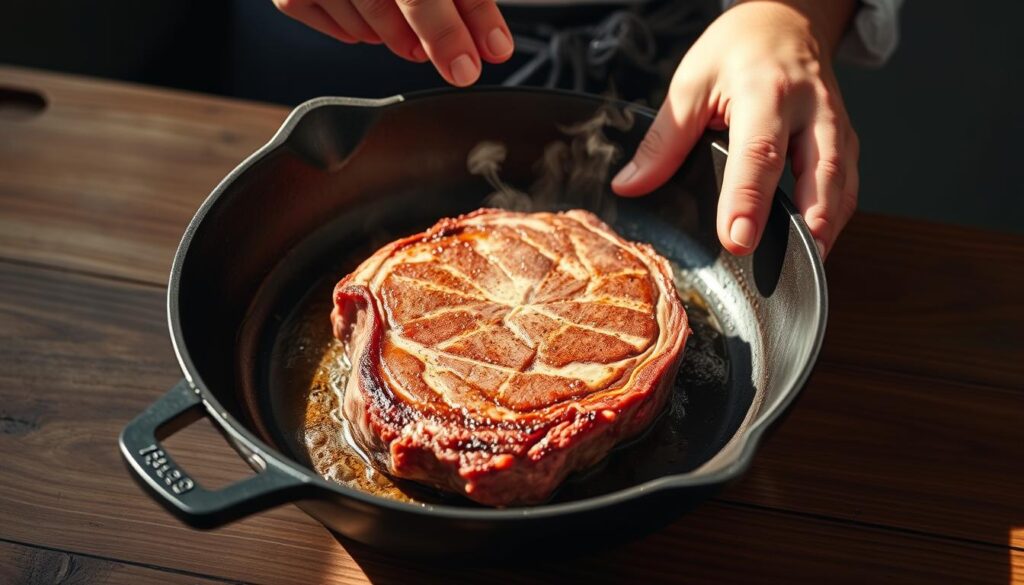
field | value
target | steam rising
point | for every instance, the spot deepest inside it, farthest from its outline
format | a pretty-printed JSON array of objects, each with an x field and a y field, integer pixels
[
  {"x": 572, "y": 173},
  {"x": 485, "y": 159}
]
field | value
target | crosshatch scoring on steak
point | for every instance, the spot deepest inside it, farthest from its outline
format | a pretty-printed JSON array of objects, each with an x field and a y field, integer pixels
[{"x": 497, "y": 352}]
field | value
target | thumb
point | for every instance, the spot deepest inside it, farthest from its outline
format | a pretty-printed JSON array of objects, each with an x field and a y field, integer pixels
[{"x": 679, "y": 123}]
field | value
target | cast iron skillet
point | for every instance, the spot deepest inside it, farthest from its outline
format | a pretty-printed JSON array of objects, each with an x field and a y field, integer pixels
[{"x": 341, "y": 172}]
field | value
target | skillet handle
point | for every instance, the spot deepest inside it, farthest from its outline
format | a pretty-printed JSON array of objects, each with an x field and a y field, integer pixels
[{"x": 168, "y": 483}]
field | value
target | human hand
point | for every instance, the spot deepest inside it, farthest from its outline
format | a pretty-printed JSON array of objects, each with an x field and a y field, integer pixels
[
  {"x": 763, "y": 71},
  {"x": 453, "y": 34}
]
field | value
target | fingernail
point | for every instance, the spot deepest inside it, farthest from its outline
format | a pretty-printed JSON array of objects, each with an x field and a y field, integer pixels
[
  {"x": 743, "y": 232},
  {"x": 821, "y": 248},
  {"x": 419, "y": 54},
  {"x": 499, "y": 43},
  {"x": 626, "y": 173},
  {"x": 464, "y": 70}
]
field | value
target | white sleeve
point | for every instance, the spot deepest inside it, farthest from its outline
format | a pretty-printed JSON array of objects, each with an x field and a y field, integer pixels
[{"x": 873, "y": 34}]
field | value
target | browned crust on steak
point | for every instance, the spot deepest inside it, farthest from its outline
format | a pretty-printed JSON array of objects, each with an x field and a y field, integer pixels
[{"x": 472, "y": 402}]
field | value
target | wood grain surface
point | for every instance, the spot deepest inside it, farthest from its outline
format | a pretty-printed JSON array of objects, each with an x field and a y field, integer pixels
[
  {"x": 942, "y": 301},
  {"x": 40, "y": 566},
  {"x": 105, "y": 178},
  {"x": 903, "y": 460}
]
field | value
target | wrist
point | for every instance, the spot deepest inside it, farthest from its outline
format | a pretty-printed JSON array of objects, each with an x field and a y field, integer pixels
[{"x": 825, "y": 21}]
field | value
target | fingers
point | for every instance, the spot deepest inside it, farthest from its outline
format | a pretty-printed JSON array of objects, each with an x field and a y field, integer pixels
[
  {"x": 445, "y": 39},
  {"x": 679, "y": 123},
  {"x": 488, "y": 29},
  {"x": 459, "y": 33},
  {"x": 820, "y": 172},
  {"x": 454, "y": 34},
  {"x": 758, "y": 136},
  {"x": 315, "y": 17},
  {"x": 825, "y": 166},
  {"x": 848, "y": 202},
  {"x": 348, "y": 18},
  {"x": 384, "y": 17}
]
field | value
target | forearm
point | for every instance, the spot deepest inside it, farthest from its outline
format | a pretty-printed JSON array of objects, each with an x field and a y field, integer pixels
[{"x": 826, "y": 20}]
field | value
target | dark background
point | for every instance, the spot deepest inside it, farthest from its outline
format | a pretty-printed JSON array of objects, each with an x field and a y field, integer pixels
[{"x": 941, "y": 125}]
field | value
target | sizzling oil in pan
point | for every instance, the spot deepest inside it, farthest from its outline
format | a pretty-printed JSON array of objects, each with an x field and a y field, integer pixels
[{"x": 308, "y": 361}]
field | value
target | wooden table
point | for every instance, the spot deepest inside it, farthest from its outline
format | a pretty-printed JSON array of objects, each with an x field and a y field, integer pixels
[{"x": 903, "y": 461}]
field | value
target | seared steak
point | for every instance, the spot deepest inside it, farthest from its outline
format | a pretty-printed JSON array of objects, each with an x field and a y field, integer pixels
[{"x": 497, "y": 352}]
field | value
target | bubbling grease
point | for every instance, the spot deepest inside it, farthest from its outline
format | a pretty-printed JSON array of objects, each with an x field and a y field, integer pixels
[{"x": 326, "y": 436}]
